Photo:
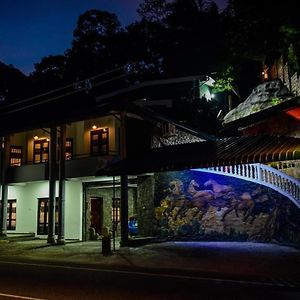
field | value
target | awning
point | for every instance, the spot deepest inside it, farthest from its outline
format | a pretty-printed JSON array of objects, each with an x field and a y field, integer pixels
[{"x": 223, "y": 152}]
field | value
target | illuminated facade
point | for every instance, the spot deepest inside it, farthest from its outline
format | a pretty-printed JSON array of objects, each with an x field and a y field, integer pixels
[{"x": 70, "y": 179}]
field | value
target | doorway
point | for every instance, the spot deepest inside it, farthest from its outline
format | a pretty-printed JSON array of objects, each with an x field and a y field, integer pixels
[{"x": 96, "y": 214}]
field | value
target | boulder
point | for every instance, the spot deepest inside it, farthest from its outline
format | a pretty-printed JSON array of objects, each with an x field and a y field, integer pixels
[{"x": 265, "y": 95}]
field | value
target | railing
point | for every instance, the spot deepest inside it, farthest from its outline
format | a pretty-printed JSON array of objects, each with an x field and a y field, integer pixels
[{"x": 265, "y": 175}]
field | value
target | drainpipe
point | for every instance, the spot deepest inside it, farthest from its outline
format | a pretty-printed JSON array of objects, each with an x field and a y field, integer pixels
[
  {"x": 124, "y": 188},
  {"x": 4, "y": 188},
  {"x": 52, "y": 182},
  {"x": 61, "y": 203}
]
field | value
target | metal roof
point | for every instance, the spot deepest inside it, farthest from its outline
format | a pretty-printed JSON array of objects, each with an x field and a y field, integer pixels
[{"x": 223, "y": 152}]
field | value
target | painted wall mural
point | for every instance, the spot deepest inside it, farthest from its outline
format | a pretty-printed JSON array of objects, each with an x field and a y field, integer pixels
[{"x": 193, "y": 205}]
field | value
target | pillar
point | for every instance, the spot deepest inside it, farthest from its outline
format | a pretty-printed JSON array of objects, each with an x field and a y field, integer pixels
[
  {"x": 124, "y": 210},
  {"x": 52, "y": 182},
  {"x": 124, "y": 187},
  {"x": 4, "y": 188},
  {"x": 61, "y": 203}
]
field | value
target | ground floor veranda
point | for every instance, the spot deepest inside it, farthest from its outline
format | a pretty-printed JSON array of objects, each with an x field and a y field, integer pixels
[{"x": 177, "y": 205}]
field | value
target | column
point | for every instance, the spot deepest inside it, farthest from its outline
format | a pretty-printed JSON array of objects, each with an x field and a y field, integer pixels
[
  {"x": 4, "y": 188},
  {"x": 61, "y": 203},
  {"x": 124, "y": 187},
  {"x": 52, "y": 182},
  {"x": 124, "y": 210}
]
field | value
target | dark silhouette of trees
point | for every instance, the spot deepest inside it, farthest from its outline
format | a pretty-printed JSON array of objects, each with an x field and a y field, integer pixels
[
  {"x": 14, "y": 85},
  {"x": 177, "y": 38},
  {"x": 95, "y": 46},
  {"x": 49, "y": 73}
]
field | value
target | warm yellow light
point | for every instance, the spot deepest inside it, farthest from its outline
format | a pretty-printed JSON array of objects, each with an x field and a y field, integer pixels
[
  {"x": 94, "y": 127},
  {"x": 35, "y": 137},
  {"x": 47, "y": 139}
]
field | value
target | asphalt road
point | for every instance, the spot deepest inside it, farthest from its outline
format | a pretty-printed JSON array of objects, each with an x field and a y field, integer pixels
[{"x": 23, "y": 280}]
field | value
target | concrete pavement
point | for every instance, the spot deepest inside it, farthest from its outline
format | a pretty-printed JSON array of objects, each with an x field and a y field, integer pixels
[{"x": 230, "y": 260}]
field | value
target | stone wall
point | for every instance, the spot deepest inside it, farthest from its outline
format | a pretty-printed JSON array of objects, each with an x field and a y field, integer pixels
[
  {"x": 145, "y": 205},
  {"x": 281, "y": 70},
  {"x": 107, "y": 194}
]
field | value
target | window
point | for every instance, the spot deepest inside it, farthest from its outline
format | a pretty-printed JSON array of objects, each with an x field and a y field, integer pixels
[
  {"x": 43, "y": 216},
  {"x": 115, "y": 212},
  {"x": 15, "y": 156},
  {"x": 40, "y": 151},
  {"x": 99, "y": 142},
  {"x": 11, "y": 214},
  {"x": 69, "y": 148}
]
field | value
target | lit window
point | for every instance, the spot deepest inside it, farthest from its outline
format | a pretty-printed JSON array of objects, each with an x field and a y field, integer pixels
[
  {"x": 43, "y": 217},
  {"x": 15, "y": 158},
  {"x": 11, "y": 214},
  {"x": 99, "y": 142},
  {"x": 40, "y": 151},
  {"x": 115, "y": 212}
]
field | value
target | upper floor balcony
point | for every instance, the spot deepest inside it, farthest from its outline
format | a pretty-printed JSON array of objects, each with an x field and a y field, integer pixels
[{"x": 90, "y": 146}]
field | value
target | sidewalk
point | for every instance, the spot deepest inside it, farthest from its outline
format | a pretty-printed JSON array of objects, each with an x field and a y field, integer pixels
[{"x": 215, "y": 259}]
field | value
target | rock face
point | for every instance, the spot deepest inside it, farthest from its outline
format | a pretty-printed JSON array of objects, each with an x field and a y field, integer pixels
[{"x": 265, "y": 95}]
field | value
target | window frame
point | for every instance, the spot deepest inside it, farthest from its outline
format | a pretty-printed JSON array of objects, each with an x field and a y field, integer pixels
[
  {"x": 9, "y": 213},
  {"x": 100, "y": 145},
  {"x": 42, "y": 227},
  {"x": 40, "y": 151},
  {"x": 18, "y": 156}
]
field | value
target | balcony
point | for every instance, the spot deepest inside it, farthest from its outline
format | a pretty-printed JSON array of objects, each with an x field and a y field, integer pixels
[{"x": 81, "y": 166}]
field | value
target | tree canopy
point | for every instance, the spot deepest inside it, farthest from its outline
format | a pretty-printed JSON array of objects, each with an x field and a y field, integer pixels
[{"x": 176, "y": 38}]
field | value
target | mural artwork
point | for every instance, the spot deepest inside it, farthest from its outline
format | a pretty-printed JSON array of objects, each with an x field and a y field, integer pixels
[{"x": 193, "y": 205}]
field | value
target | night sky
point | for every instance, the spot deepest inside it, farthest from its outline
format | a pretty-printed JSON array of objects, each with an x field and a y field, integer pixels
[{"x": 32, "y": 29}]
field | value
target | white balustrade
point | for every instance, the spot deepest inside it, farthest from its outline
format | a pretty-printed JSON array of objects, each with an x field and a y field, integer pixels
[{"x": 264, "y": 175}]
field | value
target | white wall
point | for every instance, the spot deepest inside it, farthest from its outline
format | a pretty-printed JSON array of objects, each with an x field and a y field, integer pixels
[
  {"x": 26, "y": 220},
  {"x": 27, "y": 205},
  {"x": 73, "y": 210}
]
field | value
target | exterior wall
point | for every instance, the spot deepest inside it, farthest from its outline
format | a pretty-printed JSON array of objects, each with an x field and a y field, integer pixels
[
  {"x": 109, "y": 122},
  {"x": 73, "y": 210},
  {"x": 78, "y": 131},
  {"x": 193, "y": 205},
  {"x": 107, "y": 194},
  {"x": 19, "y": 139},
  {"x": 25, "y": 139},
  {"x": 27, "y": 206},
  {"x": 30, "y": 138},
  {"x": 26, "y": 220},
  {"x": 145, "y": 205}
]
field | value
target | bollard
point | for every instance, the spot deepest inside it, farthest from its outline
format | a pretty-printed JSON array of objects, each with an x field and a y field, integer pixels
[
  {"x": 106, "y": 242},
  {"x": 106, "y": 248}
]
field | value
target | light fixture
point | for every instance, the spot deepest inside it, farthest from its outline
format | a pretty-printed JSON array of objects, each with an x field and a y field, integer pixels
[
  {"x": 94, "y": 127},
  {"x": 36, "y": 137}
]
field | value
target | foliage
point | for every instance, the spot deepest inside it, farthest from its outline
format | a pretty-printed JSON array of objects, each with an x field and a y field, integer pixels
[
  {"x": 177, "y": 38},
  {"x": 49, "y": 73},
  {"x": 14, "y": 85},
  {"x": 154, "y": 10},
  {"x": 225, "y": 81},
  {"x": 275, "y": 101}
]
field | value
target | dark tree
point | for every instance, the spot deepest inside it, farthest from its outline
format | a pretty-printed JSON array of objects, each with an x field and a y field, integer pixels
[
  {"x": 95, "y": 45},
  {"x": 49, "y": 73},
  {"x": 14, "y": 85}
]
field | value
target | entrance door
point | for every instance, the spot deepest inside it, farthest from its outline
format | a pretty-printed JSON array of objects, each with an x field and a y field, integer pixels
[
  {"x": 42, "y": 227},
  {"x": 96, "y": 214}
]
